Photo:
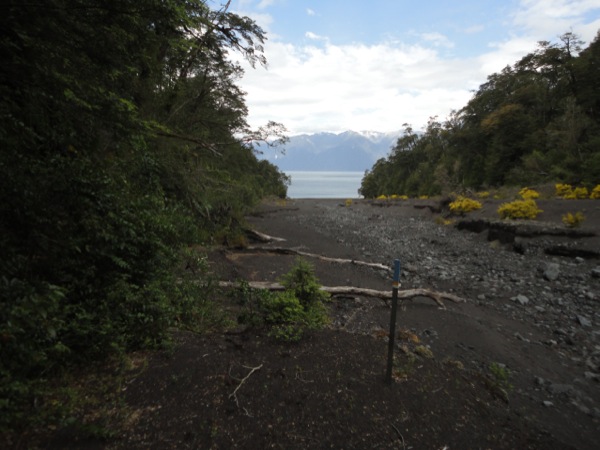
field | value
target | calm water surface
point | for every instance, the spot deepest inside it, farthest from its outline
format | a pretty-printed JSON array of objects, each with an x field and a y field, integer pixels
[{"x": 324, "y": 184}]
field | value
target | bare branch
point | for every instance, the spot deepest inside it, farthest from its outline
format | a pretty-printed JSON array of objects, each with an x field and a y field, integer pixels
[
  {"x": 200, "y": 143},
  {"x": 234, "y": 393}
]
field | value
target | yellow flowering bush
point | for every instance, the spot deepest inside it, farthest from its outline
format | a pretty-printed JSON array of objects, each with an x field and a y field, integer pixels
[
  {"x": 382, "y": 197},
  {"x": 528, "y": 194},
  {"x": 595, "y": 193},
  {"x": 348, "y": 202},
  {"x": 464, "y": 205},
  {"x": 573, "y": 220},
  {"x": 483, "y": 195},
  {"x": 442, "y": 221},
  {"x": 568, "y": 192},
  {"x": 398, "y": 197},
  {"x": 563, "y": 190},
  {"x": 423, "y": 197},
  {"x": 519, "y": 209},
  {"x": 581, "y": 192}
]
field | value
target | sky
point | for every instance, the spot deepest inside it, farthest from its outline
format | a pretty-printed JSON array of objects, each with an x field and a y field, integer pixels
[{"x": 337, "y": 65}]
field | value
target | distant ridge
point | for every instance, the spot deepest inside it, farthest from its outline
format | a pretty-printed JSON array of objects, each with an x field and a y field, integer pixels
[{"x": 350, "y": 151}]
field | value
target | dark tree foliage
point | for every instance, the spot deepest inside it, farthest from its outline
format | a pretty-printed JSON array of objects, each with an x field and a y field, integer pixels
[
  {"x": 537, "y": 121},
  {"x": 124, "y": 140}
]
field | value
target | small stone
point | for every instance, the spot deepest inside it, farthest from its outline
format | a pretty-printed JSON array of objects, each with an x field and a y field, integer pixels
[
  {"x": 521, "y": 299},
  {"x": 430, "y": 333},
  {"x": 596, "y": 272},
  {"x": 581, "y": 407},
  {"x": 557, "y": 389},
  {"x": 579, "y": 260},
  {"x": 481, "y": 297},
  {"x": 539, "y": 381},
  {"x": 592, "y": 376},
  {"x": 548, "y": 404},
  {"x": 584, "y": 321},
  {"x": 520, "y": 337},
  {"x": 551, "y": 271}
]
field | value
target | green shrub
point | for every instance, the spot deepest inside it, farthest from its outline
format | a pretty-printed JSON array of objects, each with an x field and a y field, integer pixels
[
  {"x": 519, "y": 209},
  {"x": 288, "y": 314},
  {"x": 500, "y": 379},
  {"x": 304, "y": 283}
]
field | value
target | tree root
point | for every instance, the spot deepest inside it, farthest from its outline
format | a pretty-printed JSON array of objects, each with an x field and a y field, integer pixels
[{"x": 406, "y": 294}]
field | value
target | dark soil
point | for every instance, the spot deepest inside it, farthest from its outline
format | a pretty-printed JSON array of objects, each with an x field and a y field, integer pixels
[{"x": 495, "y": 372}]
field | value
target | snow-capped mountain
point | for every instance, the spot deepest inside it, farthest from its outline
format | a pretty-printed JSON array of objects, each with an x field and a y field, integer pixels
[{"x": 350, "y": 151}]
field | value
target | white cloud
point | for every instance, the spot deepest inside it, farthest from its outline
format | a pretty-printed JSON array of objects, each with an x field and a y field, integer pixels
[
  {"x": 310, "y": 12},
  {"x": 551, "y": 18},
  {"x": 315, "y": 37},
  {"x": 474, "y": 29},
  {"x": 265, "y": 3},
  {"x": 320, "y": 86},
  {"x": 437, "y": 39},
  {"x": 541, "y": 20},
  {"x": 262, "y": 19},
  {"x": 335, "y": 88}
]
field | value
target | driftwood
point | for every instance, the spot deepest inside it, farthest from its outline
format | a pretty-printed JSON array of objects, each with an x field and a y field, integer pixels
[
  {"x": 406, "y": 294},
  {"x": 261, "y": 237},
  {"x": 287, "y": 251}
]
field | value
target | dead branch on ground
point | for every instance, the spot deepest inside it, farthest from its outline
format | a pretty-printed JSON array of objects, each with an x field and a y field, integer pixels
[
  {"x": 234, "y": 393},
  {"x": 288, "y": 251},
  {"x": 261, "y": 237},
  {"x": 406, "y": 294}
]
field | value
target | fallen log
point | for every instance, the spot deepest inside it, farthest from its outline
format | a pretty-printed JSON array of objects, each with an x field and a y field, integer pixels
[
  {"x": 261, "y": 237},
  {"x": 288, "y": 251},
  {"x": 406, "y": 294}
]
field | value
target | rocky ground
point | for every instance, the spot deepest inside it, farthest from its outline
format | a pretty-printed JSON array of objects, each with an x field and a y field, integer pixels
[
  {"x": 514, "y": 366},
  {"x": 533, "y": 312}
]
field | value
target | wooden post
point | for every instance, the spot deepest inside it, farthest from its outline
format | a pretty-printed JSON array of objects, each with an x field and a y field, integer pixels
[{"x": 395, "y": 285}]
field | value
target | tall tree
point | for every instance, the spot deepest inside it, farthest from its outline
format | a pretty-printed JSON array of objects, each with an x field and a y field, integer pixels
[
  {"x": 534, "y": 121},
  {"x": 123, "y": 134}
]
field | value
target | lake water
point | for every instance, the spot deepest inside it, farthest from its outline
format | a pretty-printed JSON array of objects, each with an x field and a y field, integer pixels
[{"x": 324, "y": 184}]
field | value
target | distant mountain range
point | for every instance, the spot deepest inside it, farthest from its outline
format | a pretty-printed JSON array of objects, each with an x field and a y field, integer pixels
[{"x": 350, "y": 151}]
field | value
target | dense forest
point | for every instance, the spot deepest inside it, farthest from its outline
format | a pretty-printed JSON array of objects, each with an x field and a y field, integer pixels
[
  {"x": 124, "y": 142},
  {"x": 535, "y": 122}
]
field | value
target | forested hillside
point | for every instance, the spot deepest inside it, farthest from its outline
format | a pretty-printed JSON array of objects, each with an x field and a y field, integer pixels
[
  {"x": 124, "y": 140},
  {"x": 537, "y": 121}
]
